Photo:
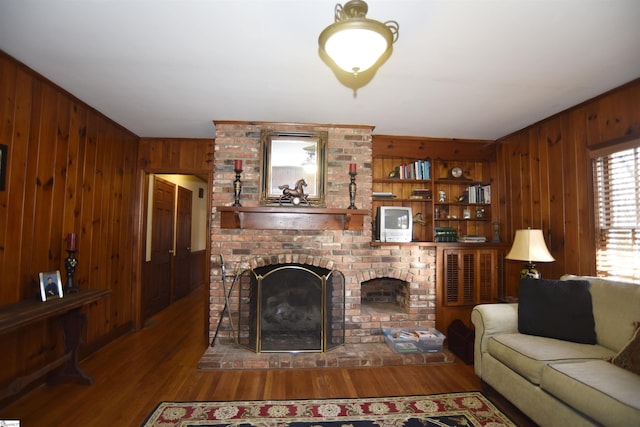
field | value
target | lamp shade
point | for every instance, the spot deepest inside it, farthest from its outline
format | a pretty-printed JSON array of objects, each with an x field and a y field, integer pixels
[
  {"x": 354, "y": 42},
  {"x": 529, "y": 245}
]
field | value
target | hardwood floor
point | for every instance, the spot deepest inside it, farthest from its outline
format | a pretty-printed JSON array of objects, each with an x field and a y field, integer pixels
[{"x": 136, "y": 372}]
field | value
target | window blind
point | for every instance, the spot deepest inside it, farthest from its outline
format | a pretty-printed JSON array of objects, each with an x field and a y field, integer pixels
[{"x": 617, "y": 183}]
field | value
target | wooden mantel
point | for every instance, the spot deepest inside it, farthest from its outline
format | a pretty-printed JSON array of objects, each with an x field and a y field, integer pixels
[{"x": 291, "y": 218}]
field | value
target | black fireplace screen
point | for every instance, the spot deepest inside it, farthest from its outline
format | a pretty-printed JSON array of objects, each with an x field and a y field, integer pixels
[{"x": 291, "y": 308}]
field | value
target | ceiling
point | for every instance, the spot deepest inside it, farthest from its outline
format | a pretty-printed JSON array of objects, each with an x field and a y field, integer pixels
[{"x": 460, "y": 69}]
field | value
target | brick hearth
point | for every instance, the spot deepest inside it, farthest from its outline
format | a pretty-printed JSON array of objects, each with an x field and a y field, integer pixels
[
  {"x": 350, "y": 252},
  {"x": 230, "y": 356}
]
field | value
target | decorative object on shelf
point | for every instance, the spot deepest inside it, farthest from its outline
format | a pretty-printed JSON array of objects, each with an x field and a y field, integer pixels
[
  {"x": 419, "y": 219},
  {"x": 354, "y": 47},
  {"x": 237, "y": 184},
  {"x": 442, "y": 196},
  {"x": 529, "y": 246},
  {"x": 352, "y": 186},
  {"x": 70, "y": 263},
  {"x": 464, "y": 197},
  {"x": 480, "y": 214},
  {"x": 455, "y": 172},
  {"x": 50, "y": 285},
  {"x": 295, "y": 195},
  {"x": 496, "y": 232}
]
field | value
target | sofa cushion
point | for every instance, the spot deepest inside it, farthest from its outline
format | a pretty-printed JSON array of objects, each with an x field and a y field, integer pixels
[
  {"x": 629, "y": 357},
  {"x": 556, "y": 309},
  {"x": 615, "y": 308},
  {"x": 596, "y": 388},
  {"x": 528, "y": 354}
]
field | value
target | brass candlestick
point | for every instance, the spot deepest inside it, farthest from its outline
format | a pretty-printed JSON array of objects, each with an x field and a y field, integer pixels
[
  {"x": 237, "y": 188},
  {"x": 352, "y": 191}
]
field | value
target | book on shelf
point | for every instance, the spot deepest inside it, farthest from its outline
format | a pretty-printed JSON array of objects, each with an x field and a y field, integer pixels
[
  {"x": 421, "y": 193},
  {"x": 420, "y": 169},
  {"x": 383, "y": 194},
  {"x": 472, "y": 239},
  {"x": 479, "y": 193}
]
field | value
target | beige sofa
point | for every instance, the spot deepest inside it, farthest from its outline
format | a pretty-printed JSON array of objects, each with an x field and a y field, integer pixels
[{"x": 557, "y": 382}]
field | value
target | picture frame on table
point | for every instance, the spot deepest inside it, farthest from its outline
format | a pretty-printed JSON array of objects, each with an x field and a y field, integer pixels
[{"x": 50, "y": 285}]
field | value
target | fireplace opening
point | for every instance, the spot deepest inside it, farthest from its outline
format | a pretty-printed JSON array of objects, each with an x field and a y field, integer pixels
[
  {"x": 291, "y": 308},
  {"x": 384, "y": 294}
]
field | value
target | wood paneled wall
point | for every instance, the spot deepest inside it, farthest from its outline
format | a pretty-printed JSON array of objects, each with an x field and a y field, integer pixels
[
  {"x": 177, "y": 155},
  {"x": 69, "y": 169},
  {"x": 548, "y": 182}
]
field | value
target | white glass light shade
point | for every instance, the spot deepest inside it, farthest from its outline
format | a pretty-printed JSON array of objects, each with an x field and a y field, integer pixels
[
  {"x": 355, "y": 49},
  {"x": 355, "y": 43},
  {"x": 529, "y": 245}
]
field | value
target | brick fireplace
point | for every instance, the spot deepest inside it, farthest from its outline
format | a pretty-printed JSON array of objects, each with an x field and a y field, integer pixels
[{"x": 410, "y": 267}]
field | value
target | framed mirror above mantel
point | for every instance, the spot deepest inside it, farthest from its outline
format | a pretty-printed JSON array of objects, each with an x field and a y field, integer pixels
[{"x": 294, "y": 168}]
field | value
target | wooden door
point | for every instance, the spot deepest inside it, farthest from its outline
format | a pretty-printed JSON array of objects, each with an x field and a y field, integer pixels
[
  {"x": 158, "y": 295},
  {"x": 182, "y": 258}
]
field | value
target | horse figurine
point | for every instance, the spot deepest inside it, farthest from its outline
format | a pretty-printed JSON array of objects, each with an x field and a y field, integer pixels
[{"x": 289, "y": 194}]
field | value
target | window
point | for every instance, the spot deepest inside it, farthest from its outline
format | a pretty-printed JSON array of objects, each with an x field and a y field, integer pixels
[{"x": 617, "y": 184}]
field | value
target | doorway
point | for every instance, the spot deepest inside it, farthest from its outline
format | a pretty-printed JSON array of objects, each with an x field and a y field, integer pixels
[{"x": 175, "y": 261}]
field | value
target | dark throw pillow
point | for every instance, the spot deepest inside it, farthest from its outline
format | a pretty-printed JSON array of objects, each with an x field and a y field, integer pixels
[{"x": 558, "y": 309}]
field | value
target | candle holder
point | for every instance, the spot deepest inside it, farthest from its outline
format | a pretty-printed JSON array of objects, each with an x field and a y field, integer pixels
[
  {"x": 237, "y": 187},
  {"x": 70, "y": 264},
  {"x": 352, "y": 191}
]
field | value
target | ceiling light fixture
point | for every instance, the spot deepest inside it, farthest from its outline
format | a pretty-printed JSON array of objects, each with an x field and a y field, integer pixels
[{"x": 356, "y": 44}]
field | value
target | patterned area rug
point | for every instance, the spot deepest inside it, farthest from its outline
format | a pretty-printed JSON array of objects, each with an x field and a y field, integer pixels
[{"x": 453, "y": 409}]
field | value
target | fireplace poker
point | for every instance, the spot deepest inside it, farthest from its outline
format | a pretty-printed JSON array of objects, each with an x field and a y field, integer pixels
[{"x": 227, "y": 306}]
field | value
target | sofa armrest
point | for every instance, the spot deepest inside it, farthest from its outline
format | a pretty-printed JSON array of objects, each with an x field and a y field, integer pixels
[{"x": 489, "y": 320}]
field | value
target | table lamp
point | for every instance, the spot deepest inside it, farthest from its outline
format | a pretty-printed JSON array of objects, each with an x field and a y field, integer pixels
[{"x": 529, "y": 246}]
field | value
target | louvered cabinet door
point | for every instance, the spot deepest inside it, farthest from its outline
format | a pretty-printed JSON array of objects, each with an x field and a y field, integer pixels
[
  {"x": 487, "y": 276},
  {"x": 470, "y": 276},
  {"x": 458, "y": 277},
  {"x": 466, "y": 275}
]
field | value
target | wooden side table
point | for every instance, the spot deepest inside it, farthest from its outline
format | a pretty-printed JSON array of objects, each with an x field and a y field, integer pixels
[{"x": 73, "y": 322}]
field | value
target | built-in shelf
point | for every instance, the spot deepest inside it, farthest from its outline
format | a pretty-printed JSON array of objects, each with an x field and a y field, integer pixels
[{"x": 291, "y": 218}]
